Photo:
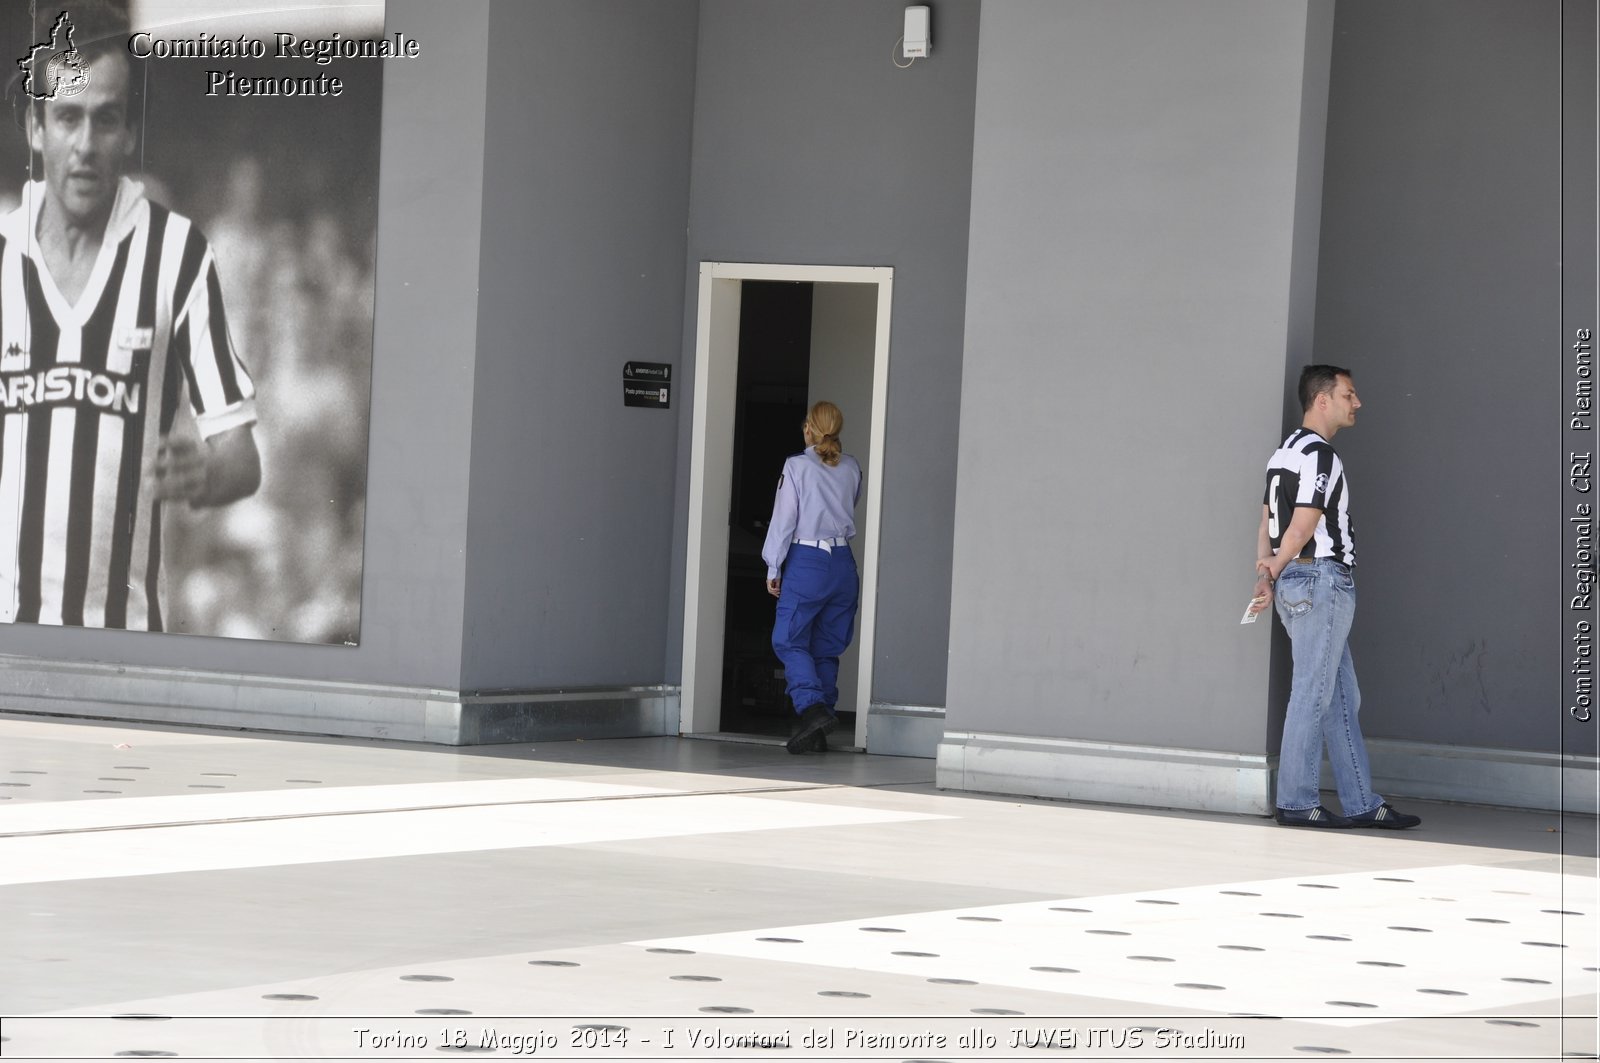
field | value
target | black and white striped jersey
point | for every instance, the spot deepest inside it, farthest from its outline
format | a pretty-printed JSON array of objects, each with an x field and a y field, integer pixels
[
  {"x": 88, "y": 391},
  {"x": 1306, "y": 471}
]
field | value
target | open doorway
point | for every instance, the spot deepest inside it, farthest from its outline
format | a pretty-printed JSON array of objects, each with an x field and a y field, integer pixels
[
  {"x": 772, "y": 339},
  {"x": 799, "y": 341}
]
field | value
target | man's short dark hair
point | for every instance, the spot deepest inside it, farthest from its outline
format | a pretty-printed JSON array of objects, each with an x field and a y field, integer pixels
[{"x": 1318, "y": 380}]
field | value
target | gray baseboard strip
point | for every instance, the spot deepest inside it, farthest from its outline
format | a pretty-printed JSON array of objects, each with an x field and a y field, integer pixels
[
  {"x": 1474, "y": 775},
  {"x": 322, "y": 707},
  {"x": 1147, "y": 776},
  {"x": 905, "y": 730}
]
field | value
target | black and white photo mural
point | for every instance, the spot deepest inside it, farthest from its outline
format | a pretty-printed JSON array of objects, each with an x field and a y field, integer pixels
[{"x": 188, "y": 219}]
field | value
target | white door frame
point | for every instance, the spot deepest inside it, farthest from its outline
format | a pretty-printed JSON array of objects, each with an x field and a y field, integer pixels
[{"x": 716, "y": 371}]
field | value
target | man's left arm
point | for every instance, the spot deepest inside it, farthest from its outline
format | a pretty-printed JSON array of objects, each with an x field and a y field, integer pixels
[
  {"x": 1261, "y": 597},
  {"x": 222, "y": 469}
]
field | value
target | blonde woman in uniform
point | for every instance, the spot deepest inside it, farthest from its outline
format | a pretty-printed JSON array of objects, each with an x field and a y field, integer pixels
[{"x": 812, "y": 573}]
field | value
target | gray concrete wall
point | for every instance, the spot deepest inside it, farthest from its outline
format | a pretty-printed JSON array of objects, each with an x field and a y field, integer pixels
[
  {"x": 1440, "y": 287},
  {"x": 422, "y": 380},
  {"x": 811, "y": 147},
  {"x": 586, "y": 187},
  {"x": 1128, "y": 310}
]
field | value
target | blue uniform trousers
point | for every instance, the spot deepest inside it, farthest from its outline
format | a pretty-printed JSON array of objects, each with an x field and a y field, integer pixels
[{"x": 816, "y": 618}]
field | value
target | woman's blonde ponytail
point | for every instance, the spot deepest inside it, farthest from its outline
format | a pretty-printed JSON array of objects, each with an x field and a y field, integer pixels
[{"x": 826, "y": 422}]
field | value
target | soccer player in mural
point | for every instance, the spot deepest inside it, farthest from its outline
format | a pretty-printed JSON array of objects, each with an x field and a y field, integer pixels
[{"x": 121, "y": 394}]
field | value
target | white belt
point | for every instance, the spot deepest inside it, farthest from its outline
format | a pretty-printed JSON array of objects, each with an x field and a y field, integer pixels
[{"x": 824, "y": 544}]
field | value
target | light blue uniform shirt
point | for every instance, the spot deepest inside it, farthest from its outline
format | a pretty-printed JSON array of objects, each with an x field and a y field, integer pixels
[{"x": 815, "y": 501}]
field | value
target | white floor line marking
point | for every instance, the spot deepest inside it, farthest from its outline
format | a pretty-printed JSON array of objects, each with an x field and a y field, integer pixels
[
  {"x": 274, "y": 843},
  {"x": 254, "y": 804}
]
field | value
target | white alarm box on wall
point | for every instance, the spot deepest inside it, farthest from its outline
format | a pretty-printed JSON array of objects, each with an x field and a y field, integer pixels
[{"x": 917, "y": 39}]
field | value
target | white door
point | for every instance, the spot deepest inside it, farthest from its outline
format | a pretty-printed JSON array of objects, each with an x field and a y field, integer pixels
[{"x": 844, "y": 293}]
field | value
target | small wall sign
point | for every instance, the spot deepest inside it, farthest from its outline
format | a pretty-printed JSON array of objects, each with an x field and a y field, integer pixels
[{"x": 647, "y": 384}]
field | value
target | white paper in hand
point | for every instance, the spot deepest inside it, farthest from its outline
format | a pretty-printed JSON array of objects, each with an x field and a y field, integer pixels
[{"x": 1249, "y": 617}]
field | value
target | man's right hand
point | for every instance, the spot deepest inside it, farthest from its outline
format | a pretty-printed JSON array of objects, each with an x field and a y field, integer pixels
[{"x": 1262, "y": 596}]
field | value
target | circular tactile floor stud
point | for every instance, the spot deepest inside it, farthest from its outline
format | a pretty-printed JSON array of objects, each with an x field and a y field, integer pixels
[
  {"x": 1111, "y": 933},
  {"x": 673, "y": 952},
  {"x": 1500, "y": 922},
  {"x": 143, "y": 1016},
  {"x": 1154, "y": 959},
  {"x": 218, "y": 775},
  {"x": 146, "y": 1052},
  {"x": 28, "y": 771},
  {"x": 442, "y": 1011},
  {"x": 426, "y": 978},
  {"x": 1326, "y": 937},
  {"x": 102, "y": 791},
  {"x": 882, "y": 930},
  {"x": 1282, "y": 915},
  {"x": 1198, "y": 985},
  {"x": 552, "y": 963},
  {"x": 115, "y": 778},
  {"x": 918, "y": 955},
  {"x": 1558, "y": 911},
  {"x": 16, "y": 784},
  {"x": 288, "y": 996},
  {"x": 1378, "y": 963},
  {"x": 727, "y": 1009},
  {"x": 995, "y": 1011},
  {"x": 1514, "y": 893},
  {"x": 1055, "y": 970},
  {"x": 1412, "y": 929},
  {"x": 782, "y": 941},
  {"x": 695, "y": 978},
  {"x": 977, "y": 919},
  {"x": 1238, "y": 893},
  {"x": 1072, "y": 909},
  {"x": 1316, "y": 886},
  {"x": 1545, "y": 944},
  {"x": 1526, "y": 981},
  {"x": 314, "y": 781},
  {"x": 1350, "y": 1004},
  {"x": 847, "y": 994},
  {"x": 206, "y": 786},
  {"x": 952, "y": 981},
  {"x": 1323, "y": 1049},
  {"x": 1242, "y": 948},
  {"x": 1146, "y": 901},
  {"x": 129, "y": 767}
]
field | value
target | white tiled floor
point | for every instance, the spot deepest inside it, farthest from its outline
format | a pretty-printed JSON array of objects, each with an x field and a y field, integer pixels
[{"x": 264, "y": 898}]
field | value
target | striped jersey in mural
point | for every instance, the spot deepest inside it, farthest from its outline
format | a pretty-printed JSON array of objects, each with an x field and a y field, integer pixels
[{"x": 88, "y": 391}]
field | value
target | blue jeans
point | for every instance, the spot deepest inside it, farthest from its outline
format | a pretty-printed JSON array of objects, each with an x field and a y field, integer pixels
[
  {"x": 815, "y": 620},
  {"x": 1317, "y": 603}
]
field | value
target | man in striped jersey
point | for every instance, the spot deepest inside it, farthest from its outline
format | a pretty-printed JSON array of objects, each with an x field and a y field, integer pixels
[
  {"x": 1306, "y": 557},
  {"x": 120, "y": 391}
]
